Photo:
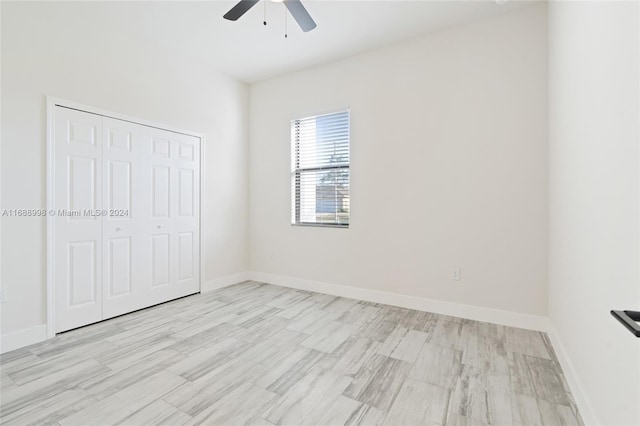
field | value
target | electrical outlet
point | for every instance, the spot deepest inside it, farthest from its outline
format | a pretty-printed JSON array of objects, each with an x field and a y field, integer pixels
[
  {"x": 3, "y": 296},
  {"x": 455, "y": 273}
]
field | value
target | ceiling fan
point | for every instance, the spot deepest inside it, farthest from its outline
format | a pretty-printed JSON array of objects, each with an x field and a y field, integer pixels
[{"x": 295, "y": 7}]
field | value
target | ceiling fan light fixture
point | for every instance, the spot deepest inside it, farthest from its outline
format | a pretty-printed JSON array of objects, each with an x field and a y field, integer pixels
[{"x": 277, "y": 1}]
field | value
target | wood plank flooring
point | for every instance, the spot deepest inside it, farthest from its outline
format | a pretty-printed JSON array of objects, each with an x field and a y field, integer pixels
[{"x": 257, "y": 354}]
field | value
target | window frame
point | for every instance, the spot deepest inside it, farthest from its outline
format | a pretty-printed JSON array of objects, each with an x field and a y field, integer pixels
[{"x": 296, "y": 171}]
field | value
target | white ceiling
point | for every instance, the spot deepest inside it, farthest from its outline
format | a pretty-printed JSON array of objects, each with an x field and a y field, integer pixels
[{"x": 251, "y": 52}]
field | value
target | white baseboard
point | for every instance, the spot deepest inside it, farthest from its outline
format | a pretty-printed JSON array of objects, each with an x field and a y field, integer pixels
[
  {"x": 19, "y": 339},
  {"x": 217, "y": 283},
  {"x": 584, "y": 406},
  {"x": 478, "y": 313}
]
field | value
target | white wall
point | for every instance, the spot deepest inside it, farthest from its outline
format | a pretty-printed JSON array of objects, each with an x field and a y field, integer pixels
[
  {"x": 449, "y": 167},
  {"x": 77, "y": 51},
  {"x": 594, "y": 94}
]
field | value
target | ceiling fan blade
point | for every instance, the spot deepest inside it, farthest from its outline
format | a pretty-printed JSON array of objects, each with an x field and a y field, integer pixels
[
  {"x": 240, "y": 9},
  {"x": 300, "y": 14}
]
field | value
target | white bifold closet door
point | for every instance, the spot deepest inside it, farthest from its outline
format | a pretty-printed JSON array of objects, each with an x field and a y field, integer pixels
[{"x": 142, "y": 246}]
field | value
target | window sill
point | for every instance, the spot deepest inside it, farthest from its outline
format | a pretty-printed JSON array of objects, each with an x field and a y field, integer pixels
[{"x": 322, "y": 225}]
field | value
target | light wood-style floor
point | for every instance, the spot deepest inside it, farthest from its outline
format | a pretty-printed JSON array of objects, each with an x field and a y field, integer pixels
[{"x": 258, "y": 354}]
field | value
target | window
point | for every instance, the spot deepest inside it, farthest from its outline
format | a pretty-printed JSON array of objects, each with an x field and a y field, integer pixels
[{"x": 320, "y": 170}]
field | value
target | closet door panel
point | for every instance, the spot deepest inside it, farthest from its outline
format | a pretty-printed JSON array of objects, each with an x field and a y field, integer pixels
[
  {"x": 160, "y": 260},
  {"x": 82, "y": 181},
  {"x": 161, "y": 191},
  {"x": 119, "y": 267},
  {"x": 186, "y": 194},
  {"x": 77, "y": 228},
  {"x": 82, "y": 279},
  {"x": 127, "y": 275},
  {"x": 162, "y": 183},
  {"x": 120, "y": 188},
  {"x": 186, "y": 222},
  {"x": 186, "y": 261}
]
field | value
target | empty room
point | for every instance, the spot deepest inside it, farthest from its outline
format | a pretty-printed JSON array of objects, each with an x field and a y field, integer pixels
[{"x": 320, "y": 212}]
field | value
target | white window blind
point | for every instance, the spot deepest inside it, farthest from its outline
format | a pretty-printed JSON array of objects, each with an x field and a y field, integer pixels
[{"x": 320, "y": 170}]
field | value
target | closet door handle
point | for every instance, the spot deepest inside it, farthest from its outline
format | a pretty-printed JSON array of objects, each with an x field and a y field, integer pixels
[
  {"x": 159, "y": 226},
  {"x": 118, "y": 229},
  {"x": 629, "y": 319}
]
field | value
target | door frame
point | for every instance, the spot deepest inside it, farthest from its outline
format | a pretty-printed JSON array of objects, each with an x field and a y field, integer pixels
[{"x": 52, "y": 103}]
